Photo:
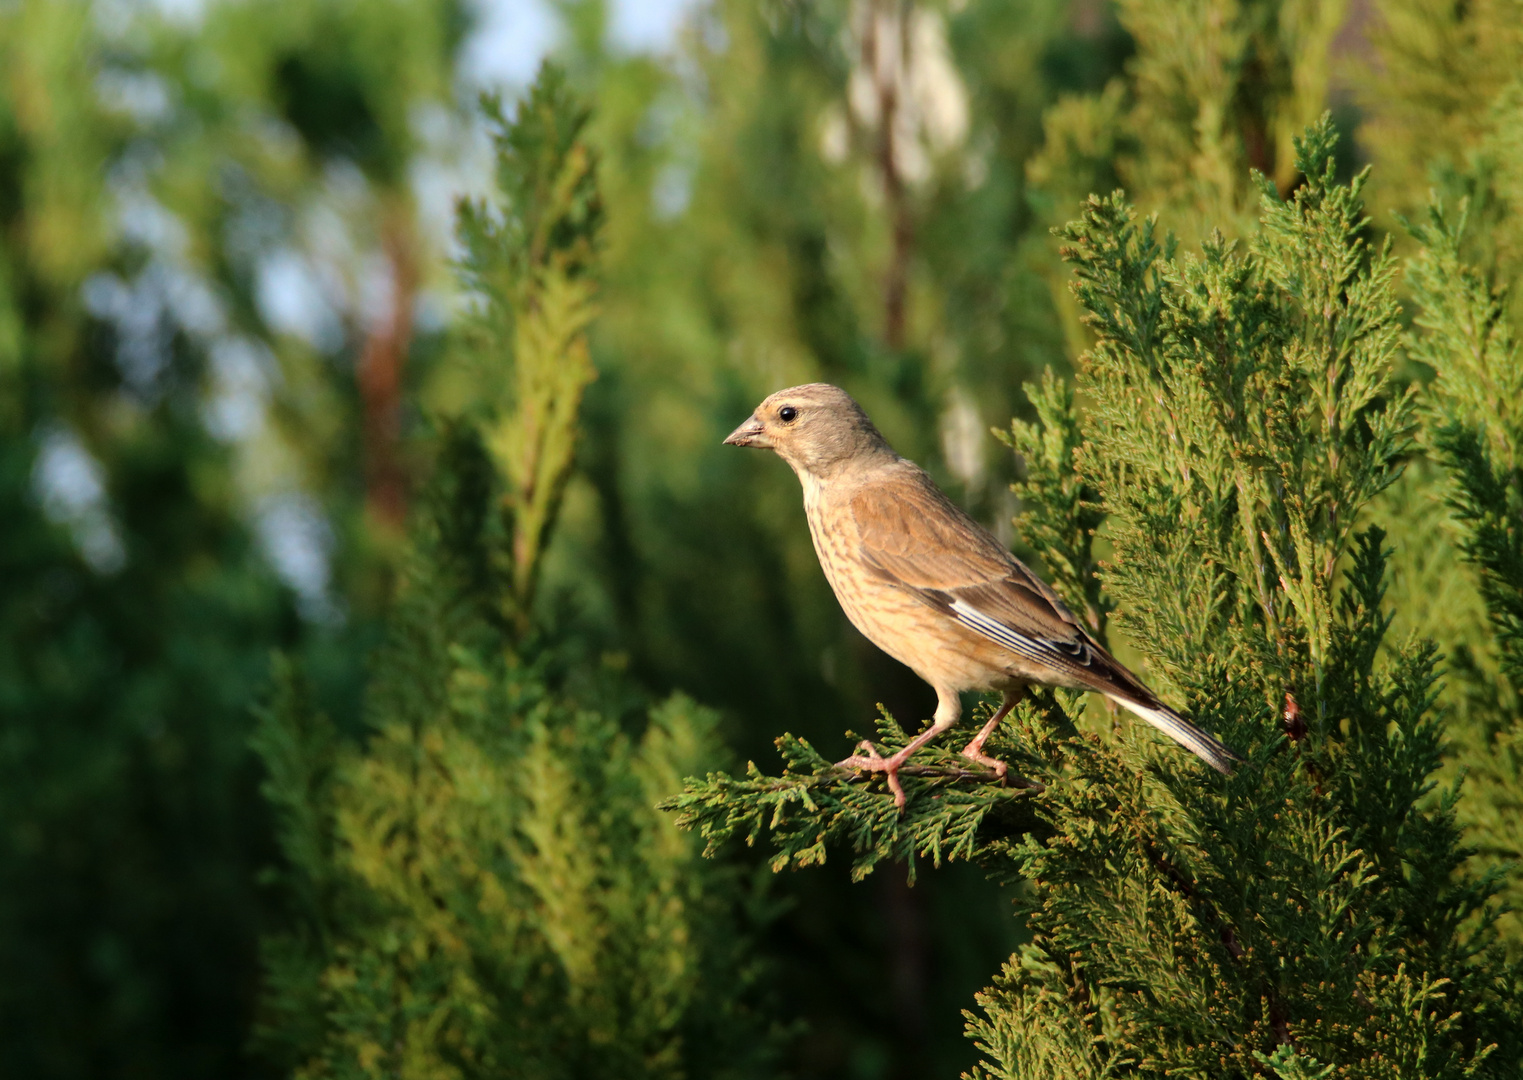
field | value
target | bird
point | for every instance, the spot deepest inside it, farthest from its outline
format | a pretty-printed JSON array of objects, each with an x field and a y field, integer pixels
[{"x": 931, "y": 587}]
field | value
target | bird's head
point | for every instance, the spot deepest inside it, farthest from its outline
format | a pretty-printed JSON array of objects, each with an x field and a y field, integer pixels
[{"x": 817, "y": 428}]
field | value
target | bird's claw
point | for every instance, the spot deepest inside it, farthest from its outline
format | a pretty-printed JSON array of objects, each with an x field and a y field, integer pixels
[
  {"x": 975, "y": 753},
  {"x": 876, "y": 762},
  {"x": 872, "y": 755}
]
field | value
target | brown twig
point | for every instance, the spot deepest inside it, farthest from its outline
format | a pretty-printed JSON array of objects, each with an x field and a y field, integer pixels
[
  {"x": 380, "y": 375},
  {"x": 954, "y": 772}
]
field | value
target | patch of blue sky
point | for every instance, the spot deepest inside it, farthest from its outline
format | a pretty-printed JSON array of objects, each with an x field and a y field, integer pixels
[{"x": 512, "y": 36}]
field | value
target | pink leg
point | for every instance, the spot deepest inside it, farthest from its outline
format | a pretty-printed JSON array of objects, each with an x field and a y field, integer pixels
[
  {"x": 948, "y": 709},
  {"x": 974, "y": 751}
]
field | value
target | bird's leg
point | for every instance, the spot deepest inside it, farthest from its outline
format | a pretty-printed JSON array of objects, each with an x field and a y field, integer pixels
[
  {"x": 974, "y": 751},
  {"x": 948, "y": 709}
]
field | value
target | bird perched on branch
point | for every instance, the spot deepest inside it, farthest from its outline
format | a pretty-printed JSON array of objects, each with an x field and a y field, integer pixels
[{"x": 931, "y": 587}]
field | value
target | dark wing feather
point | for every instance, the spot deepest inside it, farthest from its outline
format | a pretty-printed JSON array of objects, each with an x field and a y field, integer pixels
[{"x": 914, "y": 536}]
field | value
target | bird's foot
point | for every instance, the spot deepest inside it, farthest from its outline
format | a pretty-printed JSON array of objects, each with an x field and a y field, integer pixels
[
  {"x": 873, "y": 761},
  {"x": 974, "y": 751},
  {"x": 853, "y": 761}
]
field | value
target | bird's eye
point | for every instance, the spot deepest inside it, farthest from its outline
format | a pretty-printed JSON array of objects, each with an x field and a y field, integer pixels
[{"x": 788, "y": 414}]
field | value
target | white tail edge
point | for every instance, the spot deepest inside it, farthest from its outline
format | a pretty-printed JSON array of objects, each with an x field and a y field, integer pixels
[{"x": 1192, "y": 738}]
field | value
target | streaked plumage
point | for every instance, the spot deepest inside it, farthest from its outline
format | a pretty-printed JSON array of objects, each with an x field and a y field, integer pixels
[{"x": 931, "y": 587}]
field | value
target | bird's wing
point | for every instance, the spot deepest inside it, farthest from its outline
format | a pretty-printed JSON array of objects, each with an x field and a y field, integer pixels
[{"x": 914, "y": 536}]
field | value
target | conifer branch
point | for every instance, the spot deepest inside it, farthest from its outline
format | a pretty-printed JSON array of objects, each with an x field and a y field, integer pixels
[
  {"x": 1475, "y": 430},
  {"x": 531, "y": 263},
  {"x": 951, "y": 809},
  {"x": 1476, "y": 402}
]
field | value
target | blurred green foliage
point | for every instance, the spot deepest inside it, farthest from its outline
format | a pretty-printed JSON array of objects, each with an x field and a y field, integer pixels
[
  {"x": 231, "y": 341},
  {"x": 156, "y": 423},
  {"x": 483, "y": 886}
]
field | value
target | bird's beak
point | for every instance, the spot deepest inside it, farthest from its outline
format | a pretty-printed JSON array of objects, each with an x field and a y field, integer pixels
[{"x": 751, "y": 433}]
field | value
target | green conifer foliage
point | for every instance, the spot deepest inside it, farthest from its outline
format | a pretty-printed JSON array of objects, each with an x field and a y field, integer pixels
[
  {"x": 484, "y": 888},
  {"x": 1445, "y": 99},
  {"x": 1475, "y": 404},
  {"x": 533, "y": 268},
  {"x": 1445, "y": 116},
  {"x": 1216, "y": 87},
  {"x": 1308, "y": 916},
  {"x": 1444, "y": 104}
]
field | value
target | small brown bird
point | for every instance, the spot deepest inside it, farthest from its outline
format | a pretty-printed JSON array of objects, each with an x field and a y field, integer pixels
[{"x": 931, "y": 587}]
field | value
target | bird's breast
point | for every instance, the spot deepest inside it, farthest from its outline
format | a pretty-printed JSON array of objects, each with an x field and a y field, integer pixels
[{"x": 893, "y": 618}]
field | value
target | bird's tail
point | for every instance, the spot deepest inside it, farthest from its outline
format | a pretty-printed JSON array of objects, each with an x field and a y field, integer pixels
[{"x": 1176, "y": 727}]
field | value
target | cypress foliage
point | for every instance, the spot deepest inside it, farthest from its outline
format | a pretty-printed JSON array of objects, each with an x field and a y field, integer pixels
[
  {"x": 1311, "y": 916},
  {"x": 1445, "y": 108},
  {"x": 1445, "y": 114},
  {"x": 1215, "y": 87},
  {"x": 484, "y": 887},
  {"x": 1475, "y": 405}
]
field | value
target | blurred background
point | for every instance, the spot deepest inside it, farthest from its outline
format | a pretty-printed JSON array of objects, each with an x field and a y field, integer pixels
[{"x": 226, "y": 233}]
